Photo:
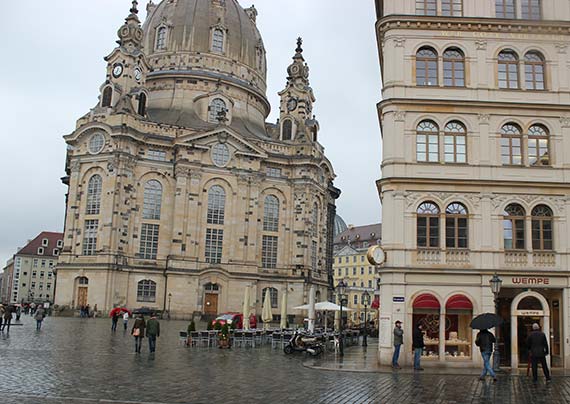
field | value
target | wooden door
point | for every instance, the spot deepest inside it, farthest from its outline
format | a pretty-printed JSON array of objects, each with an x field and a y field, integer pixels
[
  {"x": 82, "y": 296},
  {"x": 211, "y": 303}
]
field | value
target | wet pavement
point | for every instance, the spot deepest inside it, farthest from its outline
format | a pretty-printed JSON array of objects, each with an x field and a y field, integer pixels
[{"x": 79, "y": 361}]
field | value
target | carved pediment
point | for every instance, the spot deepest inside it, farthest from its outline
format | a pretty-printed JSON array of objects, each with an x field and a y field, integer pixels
[{"x": 223, "y": 135}]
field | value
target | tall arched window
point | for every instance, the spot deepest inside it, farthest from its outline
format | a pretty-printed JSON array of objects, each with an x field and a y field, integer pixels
[
  {"x": 142, "y": 104},
  {"x": 511, "y": 140},
  {"x": 505, "y": 8},
  {"x": 534, "y": 71},
  {"x": 508, "y": 69},
  {"x": 216, "y": 205},
  {"x": 542, "y": 228},
  {"x": 456, "y": 228},
  {"x": 216, "y": 107},
  {"x": 271, "y": 213},
  {"x": 426, "y": 67},
  {"x": 428, "y": 225},
  {"x": 152, "y": 200},
  {"x": 455, "y": 143},
  {"x": 94, "y": 195},
  {"x": 538, "y": 148},
  {"x": 146, "y": 291},
  {"x": 287, "y": 129},
  {"x": 453, "y": 68},
  {"x": 315, "y": 219},
  {"x": 161, "y": 38},
  {"x": 426, "y": 7},
  {"x": 453, "y": 8},
  {"x": 513, "y": 227},
  {"x": 531, "y": 9},
  {"x": 218, "y": 41},
  {"x": 427, "y": 141},
  {"x": 273, "y": 296},
  {"x": 107, "y": 97}
]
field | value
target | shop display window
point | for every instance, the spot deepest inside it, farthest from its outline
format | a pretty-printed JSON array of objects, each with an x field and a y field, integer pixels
[
  {"x": 427, "y": 313},
  {"x": 458, "y": 315}
]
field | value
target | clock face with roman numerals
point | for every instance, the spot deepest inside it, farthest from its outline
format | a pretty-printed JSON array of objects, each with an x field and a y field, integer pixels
[{"x": 117, "y": 70}]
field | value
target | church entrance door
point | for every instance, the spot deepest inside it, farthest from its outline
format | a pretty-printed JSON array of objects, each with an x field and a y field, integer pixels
[
  {"x": 82, "y": 296},
  {"x": 211, "y": 304}
]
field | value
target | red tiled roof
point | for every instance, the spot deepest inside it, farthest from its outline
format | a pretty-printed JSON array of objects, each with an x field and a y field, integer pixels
[{"x": 32, "y": 247}]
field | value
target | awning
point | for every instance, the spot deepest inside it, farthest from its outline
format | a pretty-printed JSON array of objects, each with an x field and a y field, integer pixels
[
  {"x": 459, "y": 302},
  {"x": 426, "y": 301}
]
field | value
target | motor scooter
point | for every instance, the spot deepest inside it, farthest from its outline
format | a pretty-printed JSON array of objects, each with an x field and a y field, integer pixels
[{"x": 301, "y": 342}]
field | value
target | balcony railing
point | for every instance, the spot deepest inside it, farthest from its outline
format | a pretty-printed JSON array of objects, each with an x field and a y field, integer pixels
[
  {"x": 515, "y": 258},
  {"x": 544, "y": 259}
]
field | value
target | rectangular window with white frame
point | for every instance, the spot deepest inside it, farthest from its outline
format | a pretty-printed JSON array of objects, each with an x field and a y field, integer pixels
[
  {"x": 269, "y": 252},
  {"x": 90, "y": 237},
  {"x": 214, "y": 245},
  {"x": 149, "y": 241}
]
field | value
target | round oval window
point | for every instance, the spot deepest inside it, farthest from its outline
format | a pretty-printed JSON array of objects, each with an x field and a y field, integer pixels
[
  {"x": 220, "y": 154},
  {"x": 96, "y": 143}
]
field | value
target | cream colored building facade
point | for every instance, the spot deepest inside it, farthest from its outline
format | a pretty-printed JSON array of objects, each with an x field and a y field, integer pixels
[
  {"x": 181, "y": 195},
  {"x": 475, "y": 117}
]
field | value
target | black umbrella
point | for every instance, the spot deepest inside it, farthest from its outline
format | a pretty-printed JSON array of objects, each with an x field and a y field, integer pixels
[{"x": 485, "y": 321}]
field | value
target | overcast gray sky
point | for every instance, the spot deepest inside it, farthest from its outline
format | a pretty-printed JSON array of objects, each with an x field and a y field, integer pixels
[{"x": 53, "y": 67}]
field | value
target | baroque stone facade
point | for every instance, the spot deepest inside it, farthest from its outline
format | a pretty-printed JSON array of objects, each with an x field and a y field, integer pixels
[
  {"x": 180, "y": 194},
  {"x": 476, "y": 146}
]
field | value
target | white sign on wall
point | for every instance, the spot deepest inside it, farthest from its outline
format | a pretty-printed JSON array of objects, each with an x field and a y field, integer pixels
[{"x": 385, "y": 331}]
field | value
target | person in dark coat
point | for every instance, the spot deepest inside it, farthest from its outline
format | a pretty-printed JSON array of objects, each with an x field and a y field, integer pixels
[
  {"x": 398, "y": 341},
  {"x": 115, "y": 320},
  {"x": 485, "y": 340},
  {"x": 7, "y": 318},
  {"x": 537, "y": 345},
  {"x": 138, "y": 332},
  {"x": 418, "y": 345},
  {"x": 152, "y": 332}
]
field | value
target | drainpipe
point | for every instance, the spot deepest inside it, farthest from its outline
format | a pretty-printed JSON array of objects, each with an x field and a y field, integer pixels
[{"x": 165, "y": 285}]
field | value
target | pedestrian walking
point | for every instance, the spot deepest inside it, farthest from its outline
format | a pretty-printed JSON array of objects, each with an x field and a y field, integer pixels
[
  {"x": 95, "y": 313},
  {"x": 485, "y": 340},
  {"x": 7, "y": 318},
  {"x": 537, "y": 345},
  {"x": 114, "y": 321},
  {"x": 39, "y": 317},
  {"x": 126, "y": 320},
  {"x": 2, "y": 311},
  {"x": 398, "y": 341},
  {"x": 18, "y": 313},
  {"x": 138, "y": 332},
  {"x": 418, "y": 346},
  {"x": 152, "y": 332}
]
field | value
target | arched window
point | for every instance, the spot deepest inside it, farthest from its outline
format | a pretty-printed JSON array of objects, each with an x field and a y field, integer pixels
[
  {"x": 107, "y": 97},
  {"x": 534, "y": 71},
  {"x": 216, "y": 205},
  {"x": 511, "y": 141},
  {"x": 538, "y": 148},
  {"x": 453, "y": 8},
  {"x": 152, "y": 200},
  {"x": 505, "y": 9},
  {"x": 426, "y": 7},
  {"x": 146, "y": 291},
  {"x": 513, "y": 227},
  {"x": 273, "y": 296},
  {"x": 508, "y": 69},
  {"x": 428, "y": 225},
  {"x": 83, "y": 281},
  {"x": 161, "y": 38},
  {"x": 211, "y": 287},
  {"x": 427, "y": 142},
  {"x": 455, "y": 143},
  {"x": 453, "y": 68},
  {"x": 287, "y": 130},
  {"x": 426, "y": 67},
  {"x": 531, "y": 9},
  {"x": 456, "y": 230},
  {"x": 216, "y": 107},
  {"x": 218, "y": 41},
  {"x": 271, "y": 213},
  {"x": 542, "y": 228},
  {"x": 94, "y": 195},
  {"x": 142, "y": 104}
]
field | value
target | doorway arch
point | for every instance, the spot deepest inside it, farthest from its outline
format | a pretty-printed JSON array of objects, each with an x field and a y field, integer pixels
[{"x": 517, "y": 312}]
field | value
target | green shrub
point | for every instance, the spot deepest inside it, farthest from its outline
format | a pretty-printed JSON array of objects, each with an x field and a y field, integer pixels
[
  {"x": 225, "y": 332},
  {"x": 191, "y": 327},
  {"x": 218, "y": 326},
  {"x": 209, "y": 327}
]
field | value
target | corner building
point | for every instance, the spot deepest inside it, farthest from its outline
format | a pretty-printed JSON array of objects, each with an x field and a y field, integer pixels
[
  {"x": 181, "y": 195},
  {"x": 475, "y": 117}
]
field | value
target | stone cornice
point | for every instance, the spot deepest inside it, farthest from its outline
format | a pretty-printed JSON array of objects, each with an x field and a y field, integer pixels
[{"x": 476, "y": 104}]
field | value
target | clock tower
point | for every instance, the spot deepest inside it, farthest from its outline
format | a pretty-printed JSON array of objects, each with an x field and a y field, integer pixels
[{"x": 296, "y": 120}]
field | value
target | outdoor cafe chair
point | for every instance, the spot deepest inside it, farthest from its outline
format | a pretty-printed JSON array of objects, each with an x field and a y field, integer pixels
[
  {"x": 183, "y": 338},
  {"x": 238, "y": 338},
  {"x": 194, "y": 338},
  {"x": 204, "y": 338},
  {"x": 249, "y": 339},
  {"x": 275, "y": 339},
  {"x": 258, "y": 337},
  {"x": 285, "y": 338}
]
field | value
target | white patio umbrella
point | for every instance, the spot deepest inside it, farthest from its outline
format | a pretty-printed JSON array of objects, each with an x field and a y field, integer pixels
[
  {"x": 283, "y": 324},
  {"x": 323, "y": 306},
  {"x": 311, "y": 309},
  {"x": 246, "y": 309},
  {"x": 266, "y": 314}
]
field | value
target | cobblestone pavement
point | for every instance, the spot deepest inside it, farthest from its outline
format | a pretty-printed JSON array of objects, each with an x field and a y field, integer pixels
[{"x": 79, "y": 361}]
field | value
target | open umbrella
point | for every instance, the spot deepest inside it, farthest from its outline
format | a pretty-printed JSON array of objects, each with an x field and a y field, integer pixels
[
  {"x": 246, "y": 309},
  {"x": 485, "y": 321},
  {"x": 266, "y": 315},
  {"x": 283, "y": 324},
  {"x": 119, "y": 310}
]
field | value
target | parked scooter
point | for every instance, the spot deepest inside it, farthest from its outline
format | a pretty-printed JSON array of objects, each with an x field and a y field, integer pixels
[{"x": 301, "y": 342}]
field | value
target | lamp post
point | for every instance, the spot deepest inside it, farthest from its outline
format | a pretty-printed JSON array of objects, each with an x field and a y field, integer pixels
[
  {"x": 366, "y": 301},
  {"x": 169, "y": 299},
  {"x": 496, "y": 283},
  {"x": 341, "y": 290}
]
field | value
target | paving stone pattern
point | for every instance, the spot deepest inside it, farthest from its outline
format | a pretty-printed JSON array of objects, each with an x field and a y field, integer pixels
[{"x": 79, "y": 361}]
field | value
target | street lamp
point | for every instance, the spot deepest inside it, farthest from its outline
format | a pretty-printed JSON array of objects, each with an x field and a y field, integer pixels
[
  {"x": 169, "y": 299},
  {"x": 366, "y": 301},
  {"x": 496, "y": 283},
  {"x": 341, "y": 292}
]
